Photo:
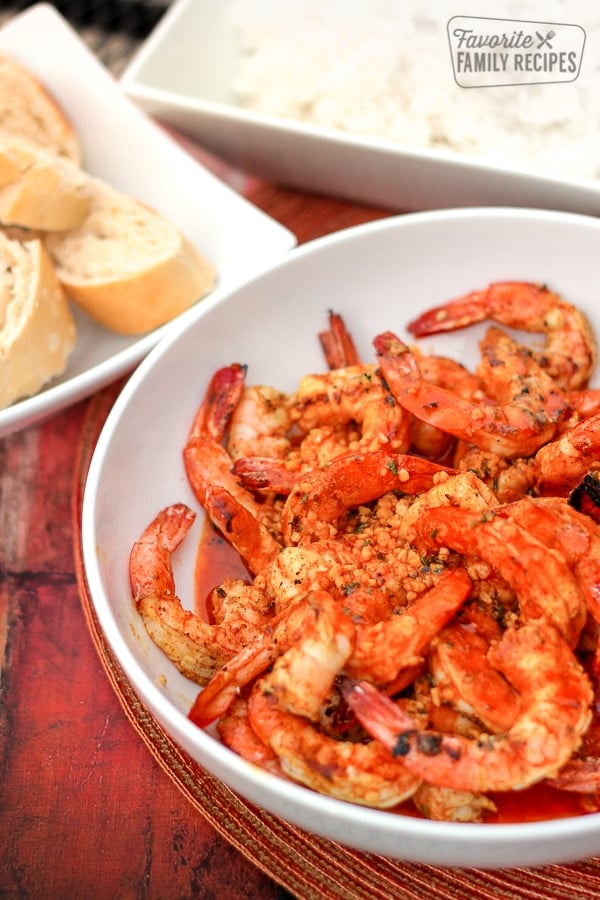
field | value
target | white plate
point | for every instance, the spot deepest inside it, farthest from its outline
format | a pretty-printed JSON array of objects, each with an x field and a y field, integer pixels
[
  {"x": 183, "y": 74},
  {"x": 378, "y": 277},
  {"x": 122, "y": 146}
]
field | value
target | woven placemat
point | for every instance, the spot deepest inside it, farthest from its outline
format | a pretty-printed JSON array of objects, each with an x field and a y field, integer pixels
[{"x": 310, "y": 867}]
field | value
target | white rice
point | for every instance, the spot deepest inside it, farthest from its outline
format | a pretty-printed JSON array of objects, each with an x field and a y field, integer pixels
[{"x": 383, "y": 69}]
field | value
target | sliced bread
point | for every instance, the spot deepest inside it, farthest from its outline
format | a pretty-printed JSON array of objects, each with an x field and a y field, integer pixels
[
  {"x": 126, "y": 266},
  {"x": 37, "y": 329},
  {"x": 38, "y": 189},
  {"x": 28, "y": 109}
]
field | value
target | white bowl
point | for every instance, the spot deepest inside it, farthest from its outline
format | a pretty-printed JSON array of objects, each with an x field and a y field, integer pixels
[
  {"x": 378, "y": 277},
  {"x": 125, "y": 148},
  {"x": 183, "y": 75}
]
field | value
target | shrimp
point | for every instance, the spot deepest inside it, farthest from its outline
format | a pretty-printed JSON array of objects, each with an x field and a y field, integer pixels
[
  {"x": 560, "y": 527},
  {"x": 581, "y": 774},
  {"x": 263, "y": 473},
  {"x": 570, "y": 352},
  {"x": 243, "y": 530},
  {"x": 320, "y": 496},
  {"x": 426, "y": 440},
  {"x": 561, "y": 464},
  {"x": 447, "y": 805},
  {"x": 196, "y": 648},
  {"x": 359, "y": 773},
  {"x": 353, "y": 394},
  {"x": 367, "y": 590},
  {"x": 337, "y": 343},
  {"x": 509, "y": 479},
  {"x": 543, "y": 581},
  {"x": 206, "y": 460},
  {"x": 236, "y": 732},
  {"x": 555, "y": 698},
  {"x": 314, "y": 622},
  {"x": 510, "y": 372},
  {"x": 302, "y": 677},
  {"x": 517, "y": 427},
  {"x": 464, "y": 490},
  {"x": 464, "y": 677},
  {"x": 384, "y": 648},
  {"x": 236, "y": 600},
  {"x": 344, "y": 410},
  {"x": 260, "y": 424},
  {"x": 585, "y": 497}
]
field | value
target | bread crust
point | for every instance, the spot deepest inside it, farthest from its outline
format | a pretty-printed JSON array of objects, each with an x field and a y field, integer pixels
[
  {"x": 39, "y": 190},
  {"x": 29, "y": 110},
  {"x": 146, "y": 299},
  {"x": 38, "y": 331},
  {"x": 128, "y": 267}
]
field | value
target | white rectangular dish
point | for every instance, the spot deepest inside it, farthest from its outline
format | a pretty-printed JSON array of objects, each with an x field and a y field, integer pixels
[
  {"x": 183, "y": 75},
  {"x": 125, "y": 148}
]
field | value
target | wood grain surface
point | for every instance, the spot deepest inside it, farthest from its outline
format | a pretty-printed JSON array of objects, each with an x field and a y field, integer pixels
[{"x": 85, "y": 810}]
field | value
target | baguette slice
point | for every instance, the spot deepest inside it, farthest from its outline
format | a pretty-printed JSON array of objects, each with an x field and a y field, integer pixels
[
  {"x": 40, "y": 190},
  {"x": 37, "y": 329},
  {"x": 27, "y": 109},
  {"x": 126, "y": 266}
]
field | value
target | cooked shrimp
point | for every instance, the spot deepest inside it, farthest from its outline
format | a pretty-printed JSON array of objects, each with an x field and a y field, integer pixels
[
  {"x": 236, "y": 600},
  {"x": 463, "y": 676},
  {"x": 579, "y": 775},
  {"x": 220, "y": 399},
  {"x": 570, "y": 352},
  {"x": 315, "y": 623},
  {"x": 368, "y": 590},
  {"x": 259, "y": 424},
  {"x": 195, "y": 647},
  {"x": 517, "y": 427},
  {"x": 236, "y": 732},
  {"x": 345, "y": 410},
  {"x": 359, "y": 773},
  {"x": 584, "y": 402},
  {"x": 561, "y": 464},
  {"x": 510, "y": 373},
  {"x": 454, "y": 376},
  {"x": 464, "y": 490},
  {"x": 243, "y": 530},
  {"x": 206, "y": 460},
  {"x": 555, "y": 696},
  {"x": 426, "y": 439},
  {"x": 263, "y": 473},
  {"x": 545, "y": 586},
  {"x": 320, "y": 496},
  {"x": 353, "y": 394},
  {"x": 384, "y": 648},
  {"x": 585, "y": 497},
  {"x": 509, "y": 479},
  {"x": 337, "y": 343},
  {"x": 447, "y": 805},
  {"x": 560, "y": 527},
  {"x": 302, "y": 677}
]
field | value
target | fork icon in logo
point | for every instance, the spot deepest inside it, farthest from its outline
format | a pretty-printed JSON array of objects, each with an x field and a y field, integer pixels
[{"x": 545, "y": 41}]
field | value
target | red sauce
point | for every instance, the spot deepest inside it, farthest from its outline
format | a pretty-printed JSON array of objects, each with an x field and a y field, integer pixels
[
  {"x": 215, "y": 561},
  {"x": 537, "y": 804}
]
